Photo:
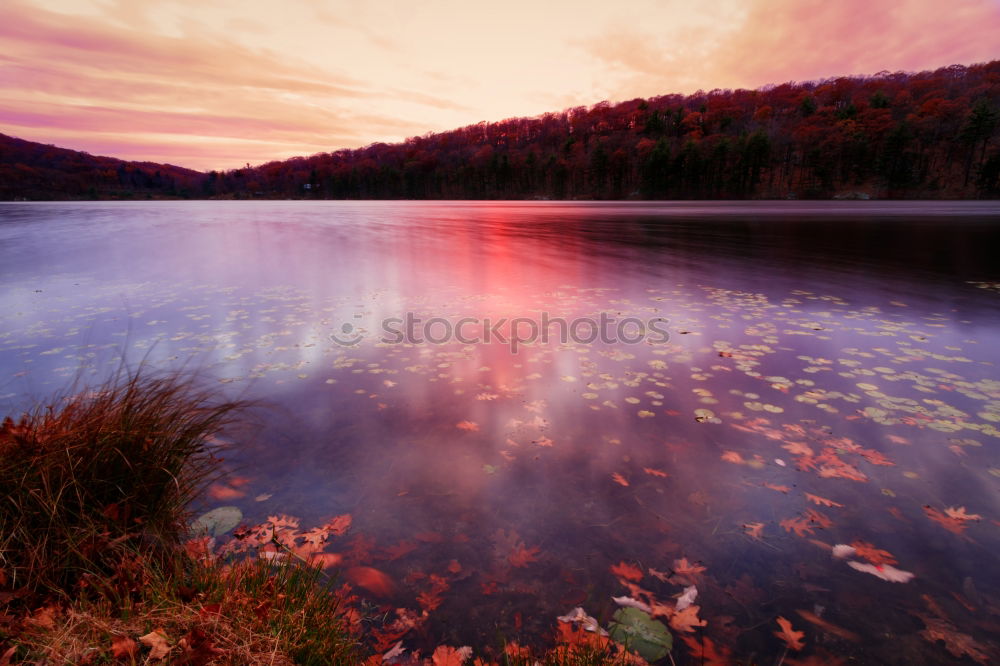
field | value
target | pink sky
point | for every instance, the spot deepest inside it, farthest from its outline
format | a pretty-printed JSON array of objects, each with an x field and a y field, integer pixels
[{"x": 218, "y": 83}]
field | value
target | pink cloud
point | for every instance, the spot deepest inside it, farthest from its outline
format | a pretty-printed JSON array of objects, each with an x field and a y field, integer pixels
[
  {"x": 83, "y": 77},
  {"x": 783, "y": 40}
]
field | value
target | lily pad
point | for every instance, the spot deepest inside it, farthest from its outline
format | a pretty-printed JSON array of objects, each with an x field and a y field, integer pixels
[
  {"x": 217, "y": 521},
  {"x": 641, "y": 634}
]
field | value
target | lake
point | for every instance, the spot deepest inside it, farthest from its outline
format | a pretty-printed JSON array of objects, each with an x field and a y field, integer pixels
[{"x": 526, "y": 408}]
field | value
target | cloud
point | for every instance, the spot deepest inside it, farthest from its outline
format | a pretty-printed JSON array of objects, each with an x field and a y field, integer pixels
[
  {"x": 93, "y": 77},
  {"x": 773, "y": 41}
]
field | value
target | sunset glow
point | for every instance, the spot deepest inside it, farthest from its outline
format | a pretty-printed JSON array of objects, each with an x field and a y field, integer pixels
[{"x": 214, "y": 84}]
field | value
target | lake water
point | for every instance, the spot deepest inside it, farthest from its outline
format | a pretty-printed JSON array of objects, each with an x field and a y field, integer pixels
[{"x": 828, "y": 375}]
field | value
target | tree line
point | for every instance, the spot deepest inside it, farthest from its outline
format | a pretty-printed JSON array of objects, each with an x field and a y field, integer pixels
[{"x": 891, "y": 135}]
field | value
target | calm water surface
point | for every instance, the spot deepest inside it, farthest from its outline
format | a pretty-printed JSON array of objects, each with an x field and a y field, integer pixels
[{"x": 830, "y": 378}]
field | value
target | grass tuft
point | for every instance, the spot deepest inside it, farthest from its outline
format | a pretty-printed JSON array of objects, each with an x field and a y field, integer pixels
[{"x": 103, "y": 472}]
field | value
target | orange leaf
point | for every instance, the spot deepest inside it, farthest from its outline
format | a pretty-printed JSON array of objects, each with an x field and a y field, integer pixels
[
  {"x": 687, "y": 619},
  {"x": 872, "y": 554},
  {"x": 755, "y": 530},
  {"x": 706, "y": 652},
  {"x": 780, "y": 489},
  {"x": 619, "y": 479},
  {"x": 821, "y": 501},
  {"x": 372, "y": 580},
  {"x": 793, "y": 639},
  {"x": 468, "y": 426},
  {"x": 123, "y": 646},
  {"x": 797, "y": 449},
  {"x": 339, "y": 525},
  {"x": 627, "y": 571},
  {"x": 652, "y": 471},
  {"x": 223, "y": 492},
  {"x": 684, "y": 568},
  {"x": 733, "y": 457},
  {"x": 521, "y": 556},
  {"x": 953, "y": 525},
  {"x": 449, "y": 656}
]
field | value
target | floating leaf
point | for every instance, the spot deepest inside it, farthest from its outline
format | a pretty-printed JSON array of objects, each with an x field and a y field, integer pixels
[
  {"x": 217, "y": 521},
  {"x": 886, "y": 572},
  {"x": 641, "y": 634}
]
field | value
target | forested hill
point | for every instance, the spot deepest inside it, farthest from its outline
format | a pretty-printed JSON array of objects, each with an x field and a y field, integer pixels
[
  {"x": 32, "y": 171},
  {"x": 891, "y": 135}
]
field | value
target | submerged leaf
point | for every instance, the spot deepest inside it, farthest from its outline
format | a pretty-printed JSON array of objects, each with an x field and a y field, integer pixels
[{"x": 793, "y": 639}]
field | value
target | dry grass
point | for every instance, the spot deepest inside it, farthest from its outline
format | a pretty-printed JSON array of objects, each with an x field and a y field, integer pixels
[
  {"x": 252, "y": 613},
  {"x": 92, "y": 523}
]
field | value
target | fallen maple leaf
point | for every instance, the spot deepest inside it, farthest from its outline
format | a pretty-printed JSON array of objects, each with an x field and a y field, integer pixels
[
  {"x": 793, "y": 639},
  {"x": 876, "y": 556},
  {"x": 875, "y": 457},
  {"x": 798, "y": 449},
  {"x": 774, "y": 486},
  {"x": 123, "y": 646},
  {"x": 733, "y": 457},
  {"x": 468, "y": 426},
  {"x": 687, "y": 620},
  {"x": 953, "y": 525},
  {"x": 652, "y": 471},
  {"x": 449, "y": 656},
  {"x": 521, "y": 555},
  {"x": 755, "y": 530},
  {"x": 619, "y": 479},
  {"x": 685, "y": 569},
  {"x": 157, "y": 643},
  {"x": 806, "y": 523},
  {"x": 706, "y": 652},
  {"x": 339, "y": 525},
  {"x": 627, "y": 571},
  {"x": 821, "y": 501}
]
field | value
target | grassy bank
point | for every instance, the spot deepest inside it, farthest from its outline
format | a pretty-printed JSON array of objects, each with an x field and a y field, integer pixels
[{"x": 94, "y": 566}]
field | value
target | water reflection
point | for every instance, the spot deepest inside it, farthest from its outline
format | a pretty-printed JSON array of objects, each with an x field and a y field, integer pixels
[{"x": 819, "y": 387}]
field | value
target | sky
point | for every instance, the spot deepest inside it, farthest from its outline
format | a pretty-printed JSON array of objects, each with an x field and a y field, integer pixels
[{"x": 216, "y": 84}]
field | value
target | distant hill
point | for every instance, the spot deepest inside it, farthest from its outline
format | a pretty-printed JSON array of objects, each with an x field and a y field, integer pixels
[
  {"x": 891, "y": 135},
  {"x": 30, "y": 170}
]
